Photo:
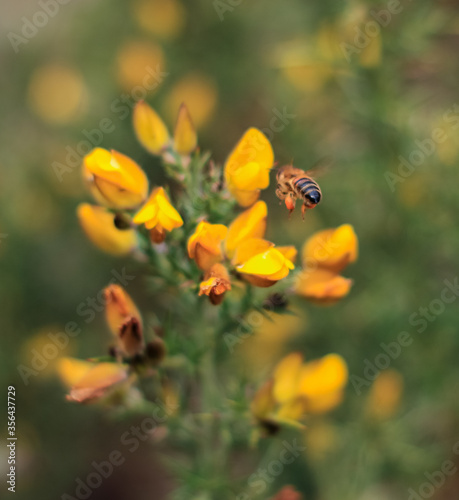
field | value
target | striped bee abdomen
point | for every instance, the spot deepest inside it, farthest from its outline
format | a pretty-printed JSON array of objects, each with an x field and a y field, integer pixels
[{"x": 308, "y": 189}]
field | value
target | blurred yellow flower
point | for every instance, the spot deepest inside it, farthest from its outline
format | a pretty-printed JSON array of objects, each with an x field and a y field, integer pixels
[
  {"x": 90, "y": 381},
  {"x": 297, "y": 388},
  {"x": 158, "y": 215},
  {"x": 385, "y": 395},
  {"x": 325, "y": 254},
  {"x": 248, "y": 167},
  {"x": 322, "y": 286},
  {"x": 114, "y": 179},
  {"x": 205, "y": 244},
  {"x": 139, "y": 64},
  {"x": 185, "y": 136},
  {"x": 199, "y": 93},
  {"x": 57, "y": 94},
  {"x": 260, "y": 263},
  {"x": 99, "y": 225},
  {"x": 151, "y": 131},
  {"x": 216, "y": 283},
  {"x": 163, "y": 18},
  {"x": 331, "y": 249},
  {"x": 123, "y": 319}
]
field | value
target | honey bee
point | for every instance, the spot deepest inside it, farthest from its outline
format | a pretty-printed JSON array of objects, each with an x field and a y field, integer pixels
[{"x": 294, "y": 183}]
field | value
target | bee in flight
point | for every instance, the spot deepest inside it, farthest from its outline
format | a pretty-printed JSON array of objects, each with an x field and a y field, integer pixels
[{"x": 294, "y": 183}]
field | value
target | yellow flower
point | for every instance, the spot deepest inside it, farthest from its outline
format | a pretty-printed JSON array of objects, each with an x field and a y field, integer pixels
[
  {"x": 216, "y": 283},
  {"x": 158, "y": 215},
  {"x": 260, "y": 263},
  {"x": 114, "y": 179},
  {"x": 163, "y": 18},
  {"x": 331, "y": 249},
  {"x": 90, "y": 381},
  {"x": 322, "y": 286},
  {"x": 248, "y": 166},
  {"x": 150, "y": 129},
  {"x": 297, "y": 388},
  {"x": 205, "y": 244},
  {"x": 385, "y": 395},
  {"x": 123, "y": 319},
  {"x": 250, "y": 224},
  {"x": 185, "y": 136},
  {"x": 325, "y": 254},
  {"x": 99, "y": 225}
]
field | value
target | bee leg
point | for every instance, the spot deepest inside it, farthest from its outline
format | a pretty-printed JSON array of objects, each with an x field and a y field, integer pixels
[{"x": 303, "y": 209}]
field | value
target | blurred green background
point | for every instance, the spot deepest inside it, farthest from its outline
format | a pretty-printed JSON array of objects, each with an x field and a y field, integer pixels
[{"x": 239, "y": 64}]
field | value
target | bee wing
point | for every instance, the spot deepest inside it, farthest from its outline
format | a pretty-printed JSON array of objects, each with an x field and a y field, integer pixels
[{"x": 321, "y": 167}]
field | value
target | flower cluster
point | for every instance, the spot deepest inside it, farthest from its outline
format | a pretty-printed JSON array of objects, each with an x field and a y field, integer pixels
[
  {"x": 324, "y": 256},
  {"x": 200, "y": 245},
  {"x": 297, "y": 388}
]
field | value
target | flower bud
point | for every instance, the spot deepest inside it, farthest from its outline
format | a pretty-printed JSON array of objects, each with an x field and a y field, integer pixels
[
  {"x": 185, "y": 136},
  {"x": 150, "y": 129},
  {"x": 124, "y": 320},
  {"x": 216, "y": 283}
]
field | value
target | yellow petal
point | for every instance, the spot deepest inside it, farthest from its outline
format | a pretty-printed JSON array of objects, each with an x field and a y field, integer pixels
[
  {"x": 114, "y": 179},
  {"x": 71, "y": 370},
  {"x": 322, "y": 377},
  {"x": 286, "y": 377},
  {"x": 98, "y": 224},
  {"x": 250, "y": 248},
  {"x": 158, "y": 211},
  {"x": 248, "y": 166},
  {"x": 185, "y": 136},
  {"x": 249, "y": 224},
  {"x": 265, "y": 264},
  {"x": 289, "y": 252},
  {"x": 331, "y": 249},
  {"x": 97, "y": 381},
  {"x": 291, "y": 410},
  {"x": 118, "y": 308},
  {"x": 209, "y": 237},
  {"x": 385, "y": 395},
  {"x": 322, "y": 286},
  {"x": 245, "y": 198},
  {"x": 263, "y": 402},
  {"x": 323, "y": 404},
  {"x": 150, "y": 129}
]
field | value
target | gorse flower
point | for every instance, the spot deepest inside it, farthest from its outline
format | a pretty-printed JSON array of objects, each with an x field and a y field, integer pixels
[
  {"x": 205, "y": 244},
  {"x": 185, "y": 136},
  {"x": 124, "y": 320},
  {"x": 297, "y": 388},
  {"x": 216, "y": 283},
  {"x": 151, "y": 131},
  {"x": 324, "y": 256},
  {"x": 248, "y": 167},
  {"x": 90, "y": 381},
  {"x": 99, "y": 225},
  {"x": 261, "y": 263},
  {"x": 219, "y": 255},
  {"x": 331, "y": 249},
  {"x": 158, "y": 215},
  {"x": 249, "y": 224},
  {"x": 114, "y": 179}
]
